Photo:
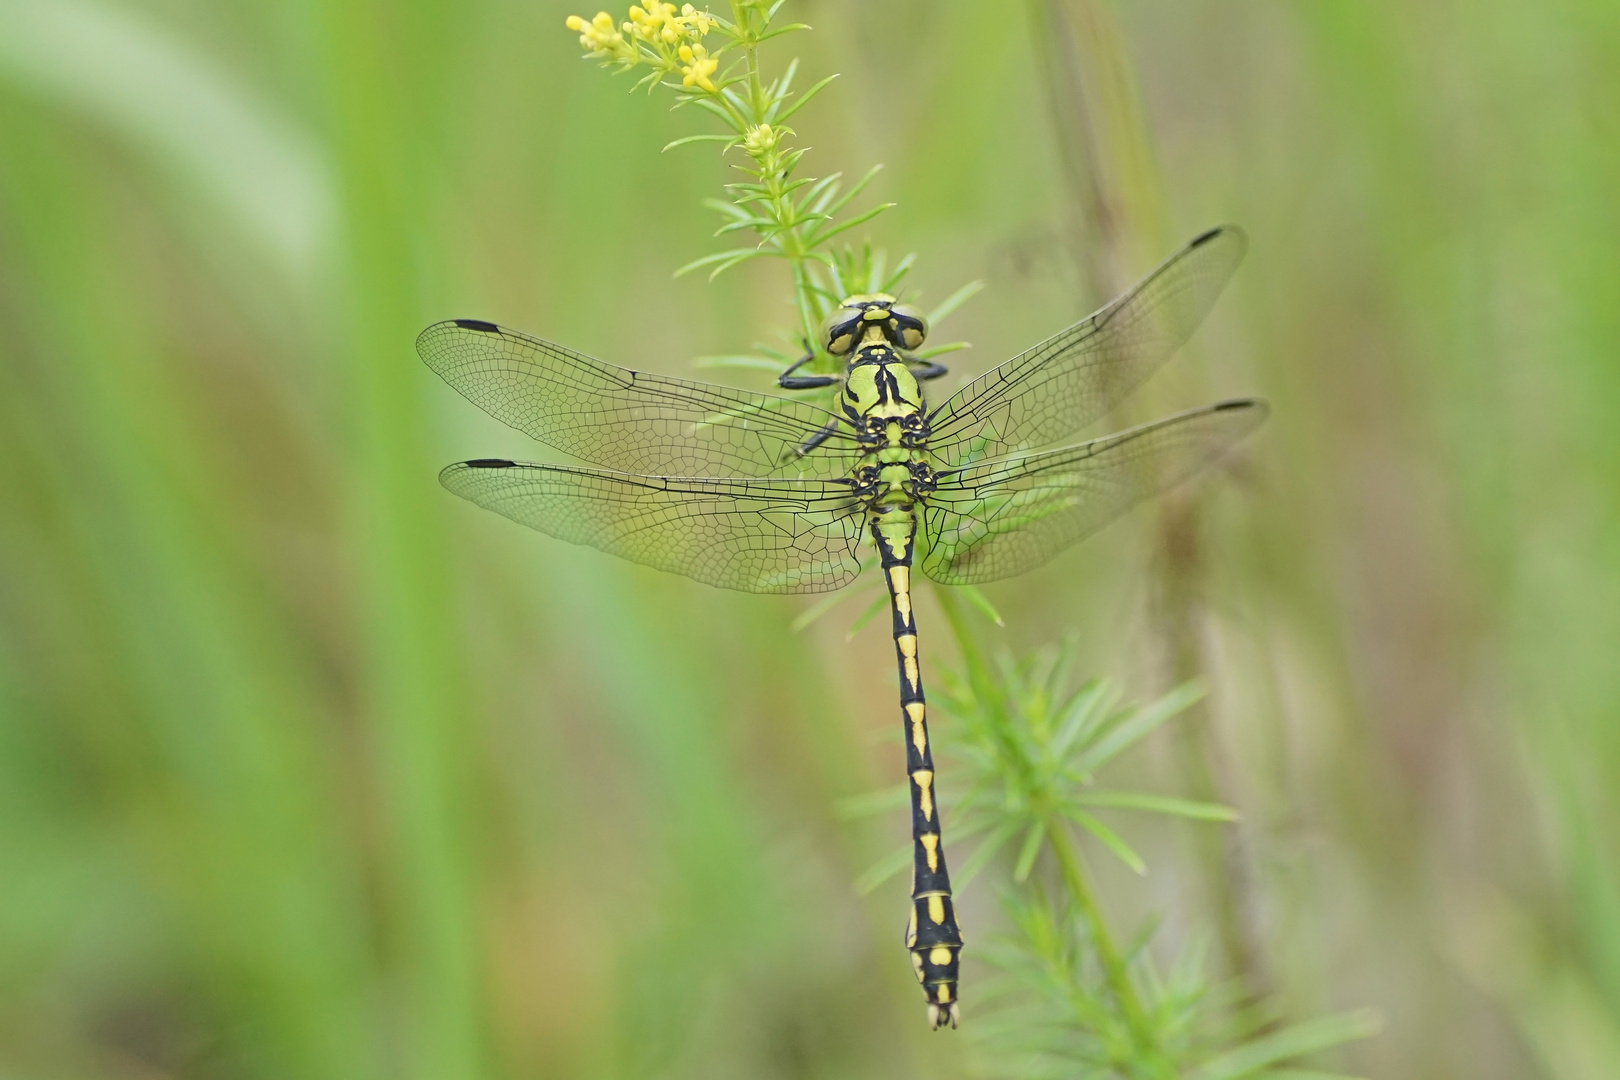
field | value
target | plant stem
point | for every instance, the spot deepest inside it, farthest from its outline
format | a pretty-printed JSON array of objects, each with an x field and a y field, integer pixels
[{"x": 1114, "y": 967}]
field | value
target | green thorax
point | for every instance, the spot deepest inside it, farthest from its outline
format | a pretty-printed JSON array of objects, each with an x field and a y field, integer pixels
[{"x": 884, "y": 404}]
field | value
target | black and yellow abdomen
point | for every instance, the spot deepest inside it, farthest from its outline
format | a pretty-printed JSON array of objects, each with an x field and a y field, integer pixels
[{"x": 882, "y": 400}]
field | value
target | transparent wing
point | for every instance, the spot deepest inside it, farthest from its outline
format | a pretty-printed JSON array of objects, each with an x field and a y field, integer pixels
[
  {"x": 1000, "y": 518},
  {"x": 1069, "y": 380},
  {"x": 763, "y": 536},
  {"x": 631, "y": 420}
]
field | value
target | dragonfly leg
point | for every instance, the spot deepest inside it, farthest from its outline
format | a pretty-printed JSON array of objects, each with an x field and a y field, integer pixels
[
  {"x": 789, "y": 381},
  {"x": 930, "y": 371},
  {"x": 818, "y": 438}
]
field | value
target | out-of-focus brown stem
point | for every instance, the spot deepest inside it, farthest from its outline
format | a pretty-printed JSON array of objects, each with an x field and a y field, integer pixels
[{"x": 1120, "y": 229}]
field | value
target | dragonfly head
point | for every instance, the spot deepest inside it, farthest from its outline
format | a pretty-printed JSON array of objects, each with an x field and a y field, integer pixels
[{"x": 901, "y": 325}]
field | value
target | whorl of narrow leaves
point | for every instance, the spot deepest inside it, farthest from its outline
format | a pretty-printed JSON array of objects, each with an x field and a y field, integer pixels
[
  {"x": 711, "y": 63},
  {"x": 1029, "y": 751}
]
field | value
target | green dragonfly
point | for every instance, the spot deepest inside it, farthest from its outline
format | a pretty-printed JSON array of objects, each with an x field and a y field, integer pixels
[{"x": 772, "y": 494}]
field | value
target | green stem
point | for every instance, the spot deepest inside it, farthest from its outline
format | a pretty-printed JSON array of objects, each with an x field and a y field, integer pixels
[{"x": 1114, "y": 967}]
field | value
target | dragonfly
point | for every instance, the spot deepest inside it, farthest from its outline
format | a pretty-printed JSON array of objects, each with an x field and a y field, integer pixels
[{"x": 767, "y": 493}]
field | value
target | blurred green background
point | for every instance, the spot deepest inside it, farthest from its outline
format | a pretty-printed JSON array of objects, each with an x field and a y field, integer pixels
[{"x": 308, "y": 769}]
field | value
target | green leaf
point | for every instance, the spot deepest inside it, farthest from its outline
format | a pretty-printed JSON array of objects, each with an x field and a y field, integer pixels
[
  {"x": 831, "y": 600},
  {"x": 1078, "y": 716},
  {"x": 875, "y": 802},
  {"x": 781, "y": 86},
  {"x": 1295, "y": 1041},
  {"x": 983, "y": 853},
  {"x": 1305, "y": 1074},
  {"x": 1158, "y": 804},
  {"x": 859, "y": 219},
  {"x": 875, "y": 271},
  {"x": 940, "y": 350},
  {"x": 1108, "y": 836},
  {"x": 856, "y": 189},
  {"x": 752, "y": 363},
  {"x": 821, "y": 186},
  {"x": 1031, "y": 849},
  {"x": 901, "y": 269},
  {"x": 717, "y": 257},
  {"x": 981, "y": 603},
  {"x": 804, "y": 99},
  {"x": 955, "y": 300},
  {"x": 719, "y": 110},
  {"x": 1138, "y": 725},
  {"x": 790, "y": 28},
  {"x": 697, "y": 139},
  {"x": 882, "y": 871}
]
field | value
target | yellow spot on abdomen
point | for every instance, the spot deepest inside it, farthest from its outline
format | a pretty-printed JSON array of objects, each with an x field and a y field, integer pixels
[
  {"x": 944, "y": 993},
  {"x": 930, "y": 843},
  {"x": 936, "y": 909},
  {"x": 916, "y": 962},
  {"x": 925, "y": 793},
  {"x": 907, "y": 644},
  {"x": 940, "y": 955},
  {"x": 911, "y": 671},
  {"x": 911, "y": 928},
  {"x": 919, "y": 734},
  {"x": 900, "y": 582}
]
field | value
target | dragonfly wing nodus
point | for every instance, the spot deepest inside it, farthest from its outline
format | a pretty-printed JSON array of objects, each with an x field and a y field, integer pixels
[{"x": 769, "y": 494}]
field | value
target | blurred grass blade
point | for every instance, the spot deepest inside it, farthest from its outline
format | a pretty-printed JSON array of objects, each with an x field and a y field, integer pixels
[
  {"x": 1031, "y": 849},
  {"x": 867, "y": 616},
  {"x": 891, "y": 865},
  {"x": 1292, "y": 1042},
  {"x": 982, "y": 604},
  {"x": 1159, "y": 804},
  {"x": 1138, "y": 725},
  {"x": 150, "y": 87},
  {"x": 815, "y": 611},
  {"x": 875, "y": 802},
  {"x": 1112, "y": 840},
  {"x": 955, "y": 300}
]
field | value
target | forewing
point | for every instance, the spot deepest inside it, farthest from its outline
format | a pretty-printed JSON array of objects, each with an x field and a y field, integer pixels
[
  {"x": 631, "y": 420},
  {"x": 763, "y": 536},
  {"x": 1000, "y": 518},
  {"x": 1071, "y": 379}
]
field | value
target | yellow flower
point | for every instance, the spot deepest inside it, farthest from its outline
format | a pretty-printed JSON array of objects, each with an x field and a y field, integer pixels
[
  {"x": 698, "y": 67},
  {"x": 696, "y": 23},
  {"x": 599, "y": 35},
  {"x": 655, "y": 21}
]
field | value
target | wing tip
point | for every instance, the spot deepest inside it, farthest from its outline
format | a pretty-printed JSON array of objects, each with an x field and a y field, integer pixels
[
  {"x": 435, "y": 329},
  {"x": 1232, "y": 236}
]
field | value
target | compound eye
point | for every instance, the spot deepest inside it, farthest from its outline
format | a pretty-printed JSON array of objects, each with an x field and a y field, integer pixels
[
  {"x": 839, "y": 332},
  {"x": 907, "y": 327}
]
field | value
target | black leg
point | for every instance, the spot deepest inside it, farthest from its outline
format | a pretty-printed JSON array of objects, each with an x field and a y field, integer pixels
[
  {"x": 788, "y": 381},
  {"x": 930, "y": 371},
  {"x": 819, "y": 437}
]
